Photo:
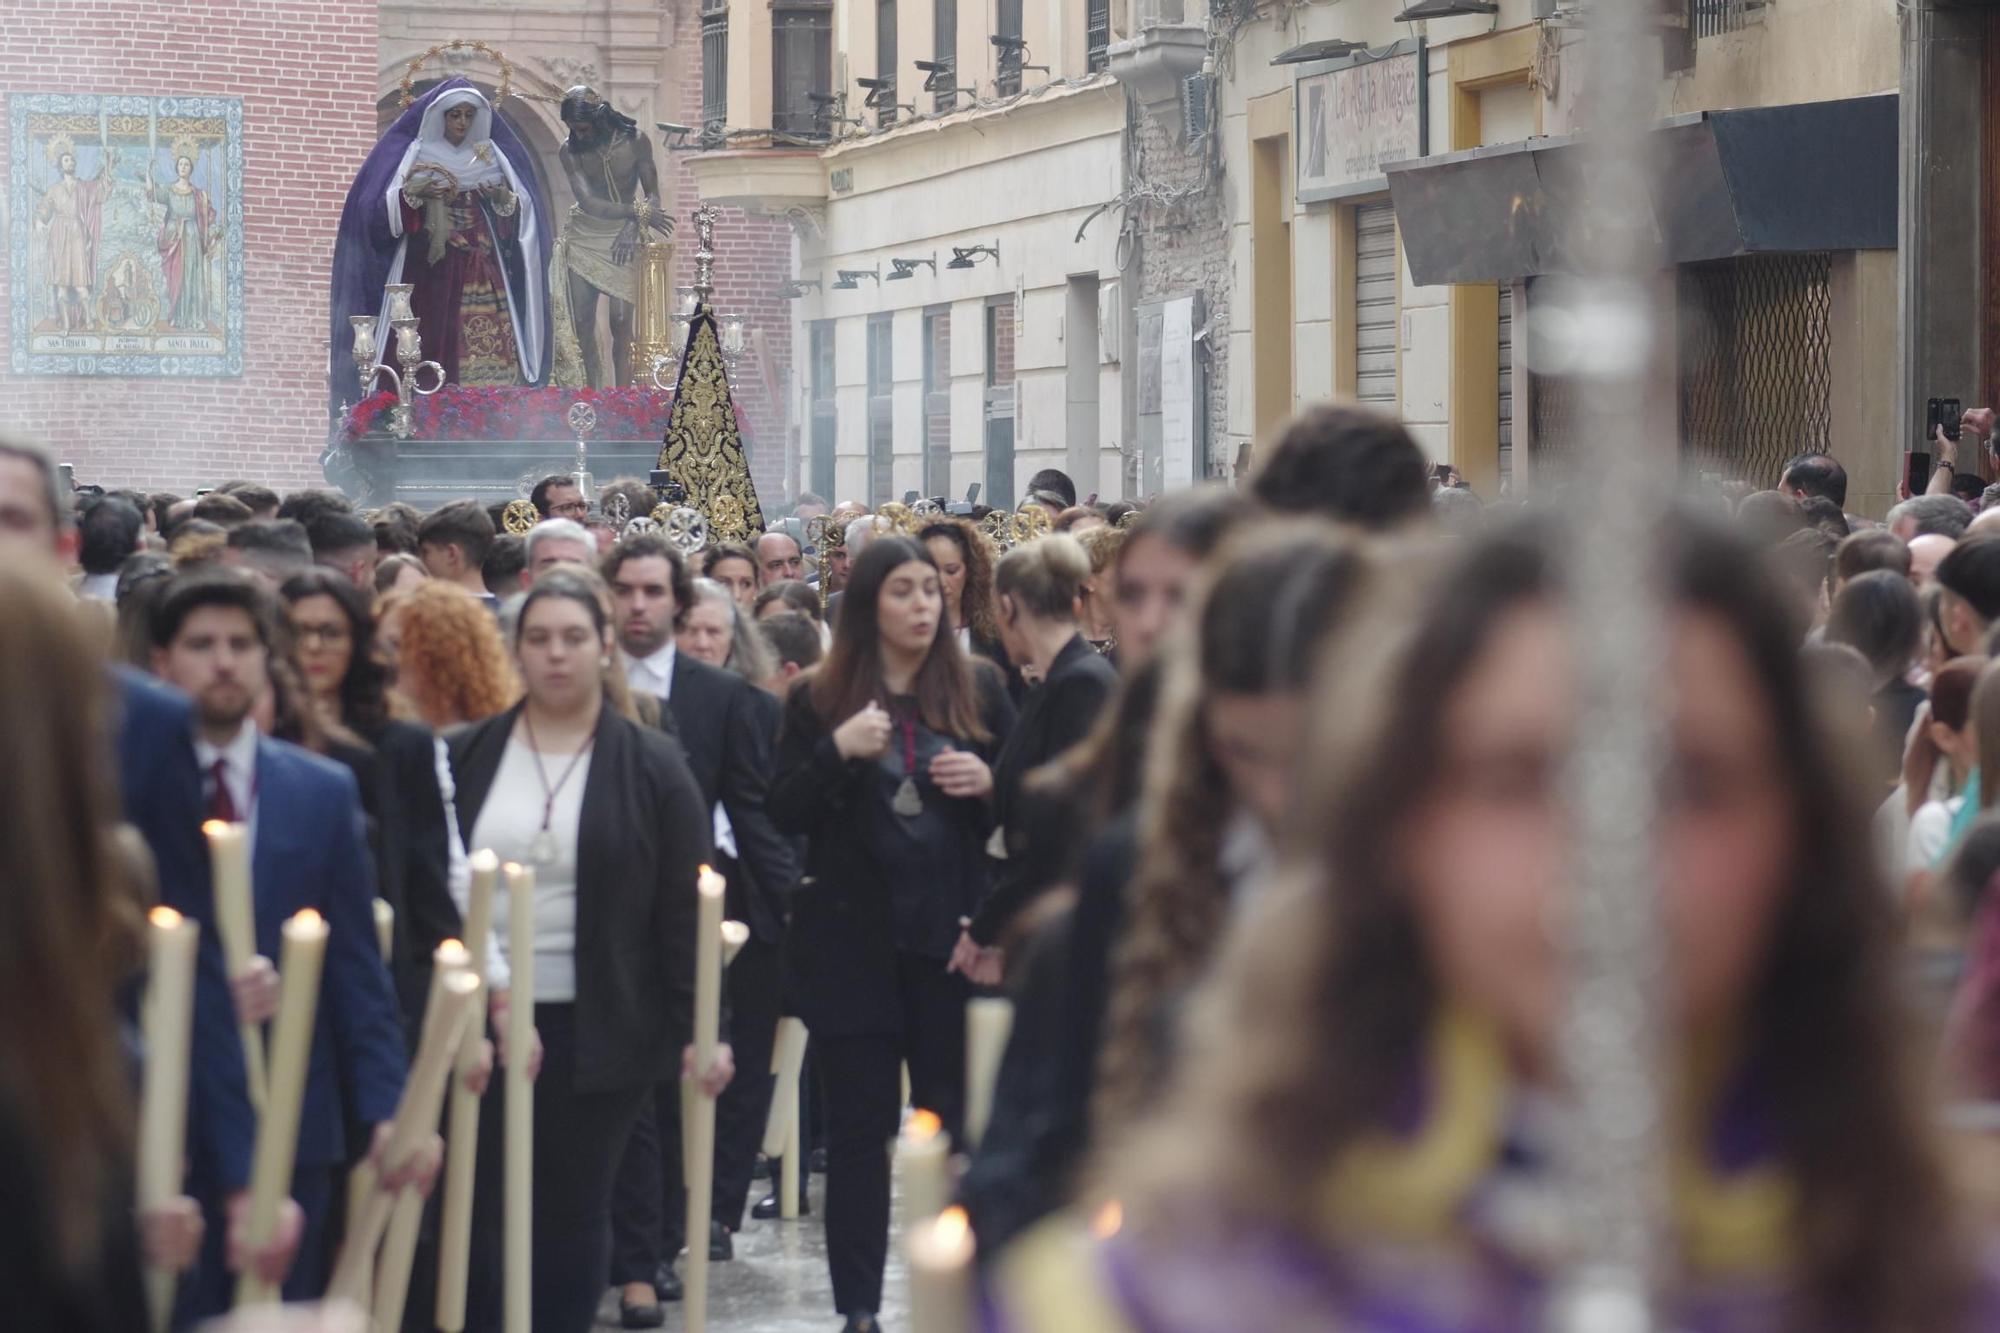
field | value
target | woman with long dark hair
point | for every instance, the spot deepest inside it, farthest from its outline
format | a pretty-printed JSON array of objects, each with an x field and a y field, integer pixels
[
  {"x": 605, "y": 810},
  {"x": 965, "y": 575},
  {"x": 1359, "y": 1130},
  {"x": 884, "y": 767}
]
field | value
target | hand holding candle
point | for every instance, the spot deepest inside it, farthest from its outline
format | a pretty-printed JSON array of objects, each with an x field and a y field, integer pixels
[
  {"x": 168, "y": 1018},
  {"x": 278, "y": 1131}
]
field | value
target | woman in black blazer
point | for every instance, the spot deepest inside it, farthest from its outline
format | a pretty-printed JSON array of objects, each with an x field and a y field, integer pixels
[
  {"x": 884, "y": 766},
  {"x": 608, "y": 814},
  {"x": 964, "y": 559},
  {"x": 1036, "y": 589}
]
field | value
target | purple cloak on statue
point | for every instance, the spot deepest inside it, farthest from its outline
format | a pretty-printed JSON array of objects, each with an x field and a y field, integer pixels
[{"x": 366, "y": 249}]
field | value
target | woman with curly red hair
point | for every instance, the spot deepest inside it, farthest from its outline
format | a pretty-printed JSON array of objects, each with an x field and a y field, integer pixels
[{"x": 449, "y": 662}]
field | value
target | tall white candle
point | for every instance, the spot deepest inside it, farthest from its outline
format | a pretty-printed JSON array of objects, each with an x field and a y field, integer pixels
[
  {"x": 300, "y": 964},
  {"x": 699, "y": 1167},
  {"x": 923, "y": 1157},
  {"x": 781, "y": 1129},
  {"x": 236, "y": 924},
  {"x": 940, "y": 1254},
  {"x": 987, "y": 1025},
  {"x": 462, "y": 1135},
  {"x": 168, "y": 1016},
  {"x": 518, "y": 1249}
]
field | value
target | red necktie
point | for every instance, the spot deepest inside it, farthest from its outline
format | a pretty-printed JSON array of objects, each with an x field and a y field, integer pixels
[{"x": 221, "y": 805}]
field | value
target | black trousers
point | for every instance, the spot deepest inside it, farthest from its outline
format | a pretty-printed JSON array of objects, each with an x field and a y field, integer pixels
[
  {"x": 579, "y": 1142},
  {"x": 649, "y": 1203},
  {"x": 740, "y": 1115},
  {"x": 862, "y": 1078}
]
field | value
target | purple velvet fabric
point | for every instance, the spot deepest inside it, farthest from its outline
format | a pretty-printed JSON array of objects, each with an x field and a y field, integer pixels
[{"x": 365, "y": 249}]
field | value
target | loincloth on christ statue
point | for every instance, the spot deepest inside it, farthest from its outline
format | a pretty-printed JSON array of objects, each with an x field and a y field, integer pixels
[{"x": 584, "y": 249}]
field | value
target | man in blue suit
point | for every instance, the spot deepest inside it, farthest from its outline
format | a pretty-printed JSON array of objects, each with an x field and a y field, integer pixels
[{"x": 212, "y": 639}]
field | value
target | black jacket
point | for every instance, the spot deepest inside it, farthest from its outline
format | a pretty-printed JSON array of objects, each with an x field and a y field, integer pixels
[
  {"x": 725, "y": 725},
  {"x": 413, "y": 858},
  {"x": 1059, "y": 713},
  {"x": 642, "y": 838},
  {"x": 842, "y": 946}
]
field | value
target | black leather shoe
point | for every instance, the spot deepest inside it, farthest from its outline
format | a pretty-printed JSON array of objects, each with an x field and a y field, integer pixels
[
  {"x": 770, "y": 1207},
  {"x": 861, "y": 1323},
  {"x": 721, "y": 1249},
  {"x": 649, "y": 1315},
  {"x": 667, "y": 1282}
]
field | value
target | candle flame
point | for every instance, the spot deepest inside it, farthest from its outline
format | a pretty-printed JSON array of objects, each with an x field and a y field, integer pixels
[
  {"x": 484, "y": 861},
  {"x": 951, "y": 1227},
  {"x": 308, "y": 918},
  {"x": 452, "y": 954},
  {"x": 705, "y": 871},
  {"x": 1109, "y": 1221},
  {"x": 215, "y": 828},
  {"x": 924, "y": 1126},
  {"x": 166, "y": 918}
]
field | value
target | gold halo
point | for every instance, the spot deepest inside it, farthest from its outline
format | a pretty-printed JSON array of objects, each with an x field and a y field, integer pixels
[
  {"x": 56, "y": 147},
  {"x": 456, "y": 44}
]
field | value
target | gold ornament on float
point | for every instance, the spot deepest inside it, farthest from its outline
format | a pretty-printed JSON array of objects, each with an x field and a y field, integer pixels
[
  {"x": 704, "y": 448},
  {"x": 520, "y": 517}
]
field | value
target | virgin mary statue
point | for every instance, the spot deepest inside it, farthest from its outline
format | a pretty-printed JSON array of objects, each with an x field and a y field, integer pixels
[{"x": 450, "y": 202}]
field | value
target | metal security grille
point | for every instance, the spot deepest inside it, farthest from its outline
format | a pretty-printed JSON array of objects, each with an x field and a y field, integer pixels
[
  {"x": 1375, "y": 306},
  {"x": 1718, "y": 16},
  {"x": 1506, "y": 433},
  {"x": 1097, "y": 33},
  {"x": 801, "y": 63},
  {"x": 714, "y": 62},
  {"x": 1756, "y": 377}
]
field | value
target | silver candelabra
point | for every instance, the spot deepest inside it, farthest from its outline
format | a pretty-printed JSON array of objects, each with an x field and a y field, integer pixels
[{"x": 409, "y": 353}]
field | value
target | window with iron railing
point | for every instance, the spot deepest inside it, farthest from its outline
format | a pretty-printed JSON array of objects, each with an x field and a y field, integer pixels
[
  {"x": 1096, "y": 34},
  {"x": 944, "y": 50},
  {"x": 801, "y": 63},
  {"x": 1713, "y": 17},
  {"x": 714, "y": 62},
  {"x": 1007, "y": 23},
  {"x": 885, "y": 59}
]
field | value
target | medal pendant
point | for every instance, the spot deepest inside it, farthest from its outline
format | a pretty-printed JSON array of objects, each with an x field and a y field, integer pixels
[
  {"x": 542, "y": 851},
  {"x": 907, "y": 803}
]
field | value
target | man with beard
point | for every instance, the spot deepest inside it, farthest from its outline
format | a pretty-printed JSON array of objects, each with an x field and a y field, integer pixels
[
  {"x": 212, "y": 640},
  {"x": 609, "y": 162}
]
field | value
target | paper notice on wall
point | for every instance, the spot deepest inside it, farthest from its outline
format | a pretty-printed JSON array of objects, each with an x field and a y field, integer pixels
[{"x": 1179, "y": 466}]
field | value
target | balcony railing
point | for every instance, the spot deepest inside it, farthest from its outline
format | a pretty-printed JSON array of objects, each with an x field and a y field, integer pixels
[{"x": 1713, "y": 17}]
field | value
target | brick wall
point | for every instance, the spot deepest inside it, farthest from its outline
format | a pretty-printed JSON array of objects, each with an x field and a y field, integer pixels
[
  {"x": 1184, "y": 247},
  {"x": 305, "y": 70},
  {"x": 753, "y": 258}
]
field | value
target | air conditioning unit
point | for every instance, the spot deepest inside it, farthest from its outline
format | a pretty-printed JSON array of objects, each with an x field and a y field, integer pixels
[{"x": 1194, "y": 106}]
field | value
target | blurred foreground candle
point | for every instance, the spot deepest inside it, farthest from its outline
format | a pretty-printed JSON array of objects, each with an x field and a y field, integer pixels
[
  {"x": 923, "y": 1155},
  {"x": 453, "y": 999},
  {"x": 168, "y": 1017},
  {"x": 781, "y": 1128},
  {"x": 987, "y": 1025},
  {"x": 385, "y": 927},
  {"x": 699, "y": 1167},
  {"x": 299, "y": 968},
  {"x": 236, "y": 923},
  {"x": 940, "y": 1255},
  {"x": 734, "y": 936},
  {"x": 518, "y": 1250},
  {"x": 462, "y": 1134}
]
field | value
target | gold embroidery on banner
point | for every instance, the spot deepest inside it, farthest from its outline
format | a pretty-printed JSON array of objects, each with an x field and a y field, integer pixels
[{"x": 704, "y": 449}]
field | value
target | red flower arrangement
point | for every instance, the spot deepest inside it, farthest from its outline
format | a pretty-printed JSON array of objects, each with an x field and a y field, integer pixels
[{"x": 516, "y": 413}]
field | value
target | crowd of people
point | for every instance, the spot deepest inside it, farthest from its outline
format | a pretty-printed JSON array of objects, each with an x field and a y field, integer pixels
[{"x": 1251, "y": 800}]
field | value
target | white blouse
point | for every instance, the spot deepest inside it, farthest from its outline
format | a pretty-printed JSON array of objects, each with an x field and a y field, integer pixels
[{"x": 509, "y": 824}]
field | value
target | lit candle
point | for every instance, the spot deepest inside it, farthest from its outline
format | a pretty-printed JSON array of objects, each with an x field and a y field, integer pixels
[
  {"x": 987, "y": 1025},
  {"x": 385, "y": 927},
  {"x": 168, "y": 1017},
  {"x": 940, "y": 1255},
  {"x": 462, "y": 1136},
  {"x": 452, "y": 988},
  {"x": 923, "y": 1155},
  {"x": 518, "y": 1250},
  {"x": 299, "y": 968},
  {"x": 699, "y": 1167},
  {"x": 453, "y": 1000},
  {"x": 236, "y": 923}
]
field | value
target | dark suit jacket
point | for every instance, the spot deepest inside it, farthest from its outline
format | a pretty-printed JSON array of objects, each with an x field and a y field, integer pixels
[
  {"x": 414, "y": 859},
  {"x": 162, "y": 797},
  {"x": 843, "y": 958},
  {"x": 725, "y": 725},
  {"x": 309, "y": 850},
  {"x": 1059, "y": 713},
  {"x": 642, "y": 838}
]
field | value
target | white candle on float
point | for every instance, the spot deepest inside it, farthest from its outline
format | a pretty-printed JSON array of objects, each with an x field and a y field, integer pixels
[
  {"x": 518, "y": 1249},
  {"x": 236, "y": 925},
  {"x": 462, "y": 1135},
  {"x": 923, "y": 1156},
  {"x": 299, "y": 968},
  {"x": 940, "y": 1254},
  {"x": 988, "y": 1022},
  {"x": 168, "y": 1016},
  {"x": 453, "y": 998},
  {"x": 699, "y": 1167}
]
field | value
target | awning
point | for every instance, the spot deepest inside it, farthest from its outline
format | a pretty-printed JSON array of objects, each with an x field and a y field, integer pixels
[{"x": 1811, "y": 176}]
